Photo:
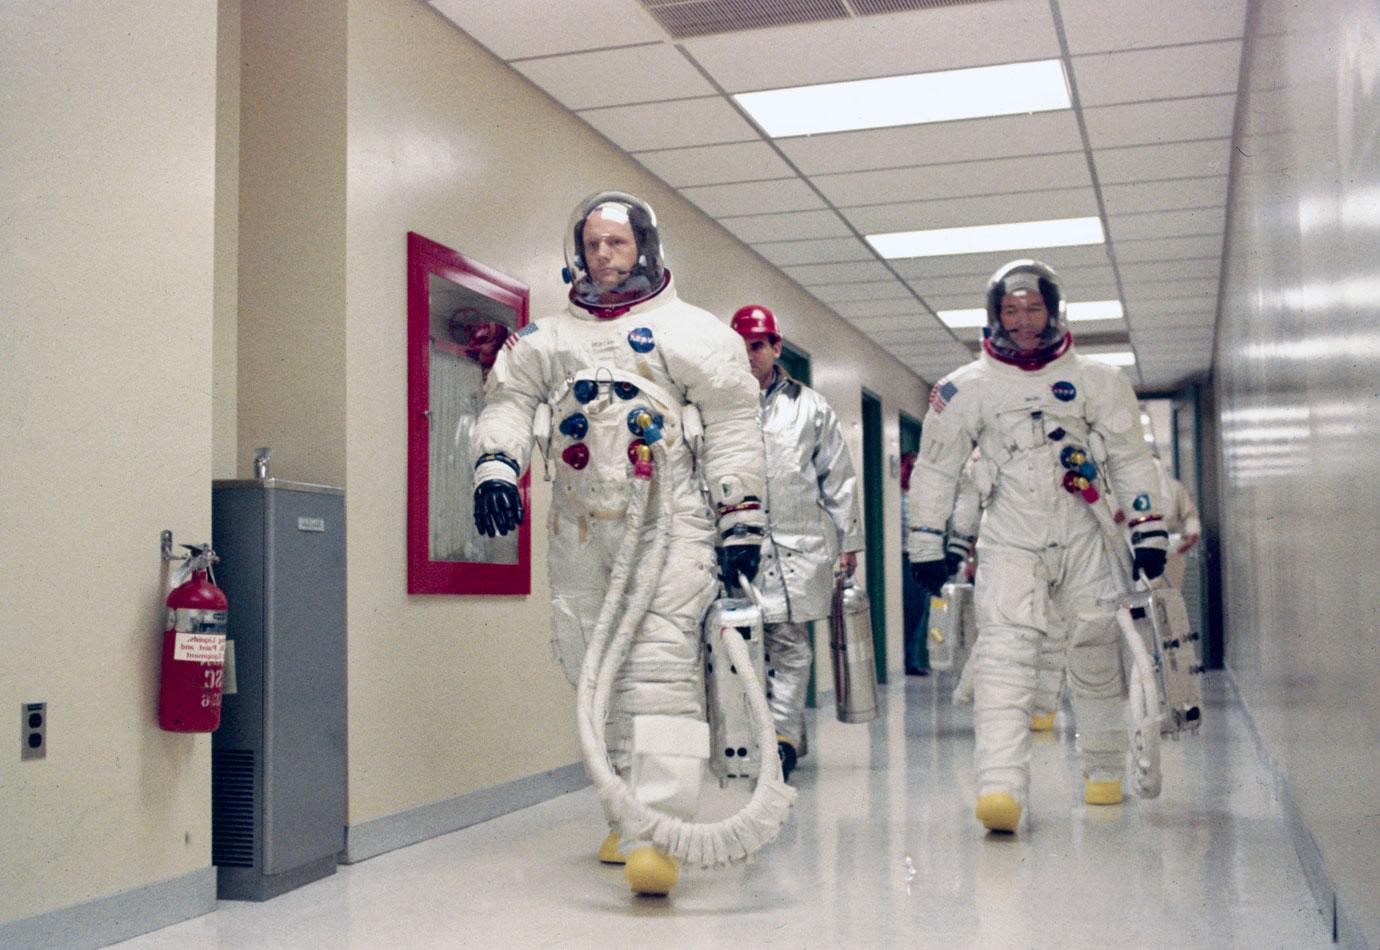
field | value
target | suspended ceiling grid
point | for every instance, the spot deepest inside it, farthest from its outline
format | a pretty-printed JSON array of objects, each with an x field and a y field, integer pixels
[{"x": 1145, "y": 147}]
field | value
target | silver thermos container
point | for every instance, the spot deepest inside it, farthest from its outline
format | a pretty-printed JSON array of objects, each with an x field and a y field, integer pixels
[{"x": 850, "y": 639}]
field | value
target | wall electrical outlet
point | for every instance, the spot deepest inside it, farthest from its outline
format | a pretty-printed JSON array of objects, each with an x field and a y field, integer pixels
[{"x": 33, "y": 730}]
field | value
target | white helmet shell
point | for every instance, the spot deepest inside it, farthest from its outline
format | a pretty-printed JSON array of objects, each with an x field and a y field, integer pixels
[
  {"x": 648, "y": 274},
  {"x": 1030, "y": 276}
]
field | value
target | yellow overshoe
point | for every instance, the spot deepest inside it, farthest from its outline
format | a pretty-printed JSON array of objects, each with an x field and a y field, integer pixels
[
  {"x": 1102, "y": 793},
  {"x": 608, "y": 851},
  {"x": 999, "y": 811},
  {"x": 1042, "y": 723},
  {"x": 651, "y": 871}
]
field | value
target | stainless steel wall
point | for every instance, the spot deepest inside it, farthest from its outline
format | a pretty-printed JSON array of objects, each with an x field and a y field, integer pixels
[{"x": 1297, "y": 380}]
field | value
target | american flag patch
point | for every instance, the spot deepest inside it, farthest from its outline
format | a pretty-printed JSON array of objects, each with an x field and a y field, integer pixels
[
  {"x": 940, "y": 395},
  {"x": 512, "y": 340}
]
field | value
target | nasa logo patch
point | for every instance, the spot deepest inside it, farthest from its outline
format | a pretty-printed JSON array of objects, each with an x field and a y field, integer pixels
[
  {"x": 1142, "y": 503},
  {"x": 641, "y": 340},
  {"x": 1064, "y": 391}
]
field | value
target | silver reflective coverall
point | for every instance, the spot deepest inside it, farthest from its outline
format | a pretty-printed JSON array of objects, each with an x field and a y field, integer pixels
[
  {"x": 666, "y": 356},
  {"x": 812, "y": 515},
  {"x": 1042, "y": 551}
]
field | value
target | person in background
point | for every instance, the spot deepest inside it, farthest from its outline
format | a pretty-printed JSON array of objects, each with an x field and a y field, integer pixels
[
  {"x": 915, "y": 600},
  {"x": 812, "y": 522}
]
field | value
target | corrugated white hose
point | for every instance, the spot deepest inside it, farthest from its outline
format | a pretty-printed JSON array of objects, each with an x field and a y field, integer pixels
[
  {"x": 1145, "y": 710},
  {"x": 731, "y": 839},
  {"x": 1142, "y": 688}
]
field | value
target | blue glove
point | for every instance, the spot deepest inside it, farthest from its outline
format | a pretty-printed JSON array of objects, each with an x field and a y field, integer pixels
[{"x": 497, "y": 507}]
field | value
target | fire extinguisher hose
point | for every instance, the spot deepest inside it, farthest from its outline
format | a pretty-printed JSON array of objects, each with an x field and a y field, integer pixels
[{"x": 704, "y": 844}]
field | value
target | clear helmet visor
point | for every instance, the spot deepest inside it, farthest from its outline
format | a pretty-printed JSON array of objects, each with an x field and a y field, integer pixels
[
  {"x": 1013, "y": 289},
  {"x": 613, "y": 252}
]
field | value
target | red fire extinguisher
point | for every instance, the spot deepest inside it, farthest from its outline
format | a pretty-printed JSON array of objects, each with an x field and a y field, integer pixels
[{"x": 194, "y": 649}]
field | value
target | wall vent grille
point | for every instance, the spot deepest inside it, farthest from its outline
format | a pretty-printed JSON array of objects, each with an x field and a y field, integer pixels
[{"x": 232, "y": 808}]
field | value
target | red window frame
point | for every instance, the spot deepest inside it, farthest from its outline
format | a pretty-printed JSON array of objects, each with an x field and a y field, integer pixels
[{"x": 425, "y": 575}]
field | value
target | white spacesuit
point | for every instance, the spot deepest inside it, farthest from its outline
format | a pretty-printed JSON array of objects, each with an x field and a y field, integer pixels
[
  {"x": 628, "y": 364},
  {"x": 1052, "y": 427},
  {"x": 1049, "y": 675},
  {"x": 812, "y": 517}
]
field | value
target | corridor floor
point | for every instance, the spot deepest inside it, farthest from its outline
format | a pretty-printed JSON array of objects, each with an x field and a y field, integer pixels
[{"x": 881, "y": 851}]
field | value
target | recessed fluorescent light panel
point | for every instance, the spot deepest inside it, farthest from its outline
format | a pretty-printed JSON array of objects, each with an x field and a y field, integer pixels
[
  {"x": 1085, "y": 310},
  {"x": 1114, "y": 359},
  {"x": 1021, "y": 235},
  {"x": 1009, "y": 89}
]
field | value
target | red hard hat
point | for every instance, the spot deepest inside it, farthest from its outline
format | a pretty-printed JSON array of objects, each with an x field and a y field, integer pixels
[{"x": 754, "y": 320}]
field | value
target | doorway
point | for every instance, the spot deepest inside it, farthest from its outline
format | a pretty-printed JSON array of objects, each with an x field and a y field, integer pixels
[{"x": 874, "y": 524}]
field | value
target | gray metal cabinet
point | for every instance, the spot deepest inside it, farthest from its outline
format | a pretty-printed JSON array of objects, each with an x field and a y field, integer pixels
[{"x": 278, "y": 758}]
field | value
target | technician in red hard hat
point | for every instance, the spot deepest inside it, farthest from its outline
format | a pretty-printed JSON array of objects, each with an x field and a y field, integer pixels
[{"x": 812, "y": 521}]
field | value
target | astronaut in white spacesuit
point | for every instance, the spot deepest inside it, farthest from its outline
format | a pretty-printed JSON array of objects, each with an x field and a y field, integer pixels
[
  {"x": 1054, "y": 428},
  {"x": 812, "y": 522},
  {"x": 626, "y": 365}
]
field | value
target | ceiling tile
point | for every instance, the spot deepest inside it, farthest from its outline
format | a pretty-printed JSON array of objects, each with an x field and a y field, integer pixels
[
  {"x": 976, "y": 209},
  {"x": 1204, "y": 290},
  {"x": 1171, "y": 270},
  {"x": 1146, "y": 302},
  {"x": 754, "y": 197},
  {"x": 955, "y": 180},
  {"x": 564, "y": 26},
  {"x": 898, "y": 321},
  {"x": 1209, "y": 245},
  {"x": 1181, "y": 193},
  {"x": 591, "y": 80},
  {"x": 1158, "y": 162},
  {"x": 810, "y": 274},
  {"x": 875, "y": 290},
  {"x": 983, "y": 266},
  {"x": 797, "y": 224},
  {"x": 937, "y": 143},
  {"x": 1167, "y": 224},
  {"x": 822, "y": 251},
  {"x": 895, "y": 44},
  {"x": 891, "y": 306},
  {"x": 1153, "y": 320},
  {"x": 657, "y": 125},
  {"x": 1097, "y": 327},
  {"x": 1166, "y": 72},
  {"x": 1094, "y": 26},
  {"x": 1172, "y": 120},
  {"x": 712, "y": 164}
]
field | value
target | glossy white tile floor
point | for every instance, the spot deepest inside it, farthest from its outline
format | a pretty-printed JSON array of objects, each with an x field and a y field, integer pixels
[{"x": 882, "y": 851}]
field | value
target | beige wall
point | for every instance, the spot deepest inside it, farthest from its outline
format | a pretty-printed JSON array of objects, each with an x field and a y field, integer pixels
[
  {"x": 1298, "y": 356},
  {"x": 225, "y": 342},
  {"x": 446, "y": 141},
  {"x": 291, "y": 335},
  {"x": 106, "y": 224}
]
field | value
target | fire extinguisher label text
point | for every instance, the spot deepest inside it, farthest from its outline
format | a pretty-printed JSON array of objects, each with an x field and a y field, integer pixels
[{"x": 199, "y": 647}]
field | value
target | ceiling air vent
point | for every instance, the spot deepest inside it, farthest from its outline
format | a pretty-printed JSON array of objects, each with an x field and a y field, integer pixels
[
  {"x": 685, "y": 18},
  {"x": 869, "y": 7}
]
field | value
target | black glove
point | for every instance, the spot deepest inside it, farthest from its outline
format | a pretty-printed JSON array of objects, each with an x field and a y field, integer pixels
[
  {"x": 738, "y": 560},
  {"x": 1149, "y": 562},
  {"x": 930, "y": 575},
  {"x": 497, "y": 507},
  {"x": 953, "y": 560}
]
